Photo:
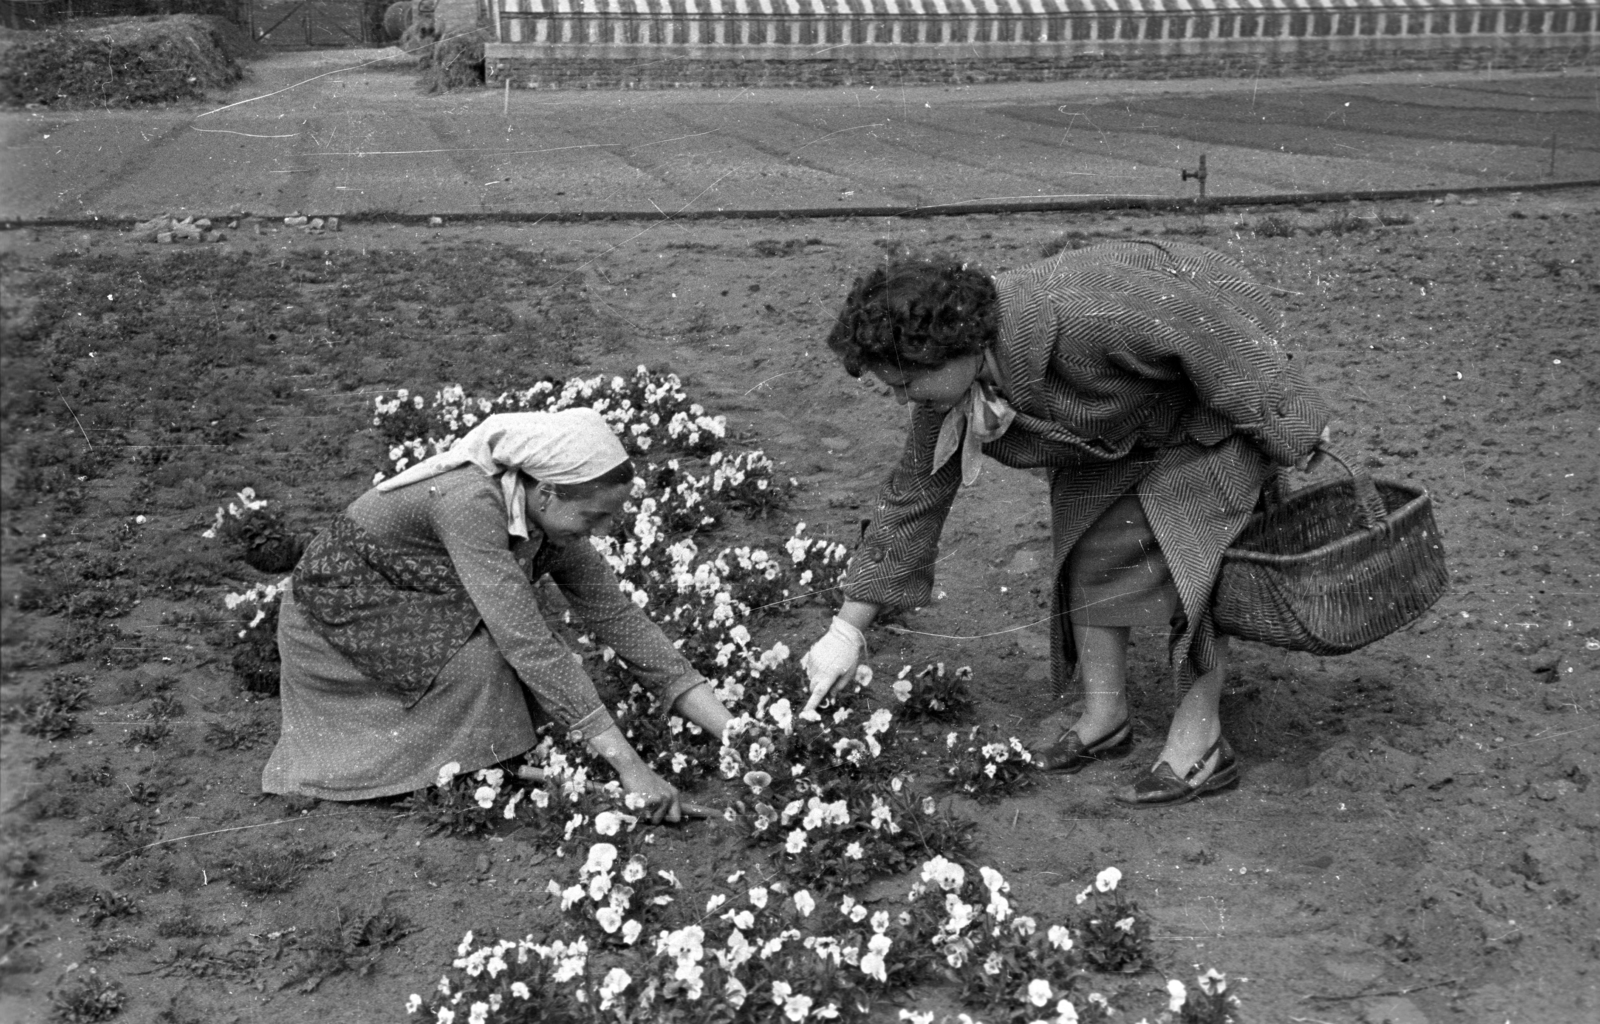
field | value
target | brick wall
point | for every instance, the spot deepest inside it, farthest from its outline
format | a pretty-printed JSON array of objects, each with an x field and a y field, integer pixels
[{"x": 666, "y": 67}]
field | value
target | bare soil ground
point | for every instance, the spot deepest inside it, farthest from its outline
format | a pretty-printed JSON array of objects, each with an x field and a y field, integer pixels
[{"x": 1415, "y": 837}]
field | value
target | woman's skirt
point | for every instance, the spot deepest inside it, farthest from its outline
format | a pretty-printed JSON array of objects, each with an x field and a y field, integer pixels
[
  {"x": 348, "y": 737},
  {"x": 1117, "y": 575}
]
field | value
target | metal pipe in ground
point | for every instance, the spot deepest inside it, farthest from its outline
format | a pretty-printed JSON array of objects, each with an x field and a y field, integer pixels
[{"x": 1076, "y": 204}]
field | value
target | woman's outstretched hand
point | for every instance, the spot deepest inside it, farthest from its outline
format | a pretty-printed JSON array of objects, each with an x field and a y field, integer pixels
[{"x": 832, "y": 660}]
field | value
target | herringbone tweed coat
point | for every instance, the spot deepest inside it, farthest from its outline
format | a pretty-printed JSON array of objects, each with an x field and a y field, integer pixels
[{"x": 1142, "y": 364}]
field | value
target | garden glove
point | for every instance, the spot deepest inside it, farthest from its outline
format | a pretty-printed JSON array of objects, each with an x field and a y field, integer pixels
[{"x": 832, "y": 659}]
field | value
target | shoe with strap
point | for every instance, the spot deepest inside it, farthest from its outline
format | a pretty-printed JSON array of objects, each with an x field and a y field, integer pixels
[
  {"x": 1162, "y": 785},
  {"x": 1069, "y": 754}
]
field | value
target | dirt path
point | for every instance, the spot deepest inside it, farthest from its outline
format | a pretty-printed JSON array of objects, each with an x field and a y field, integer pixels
[
  {"x": 304, "y": 135},
  {"x": 1415, "y": 836}
]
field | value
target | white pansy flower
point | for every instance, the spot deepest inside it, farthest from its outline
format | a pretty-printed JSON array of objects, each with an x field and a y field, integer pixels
[
  {"x": 601, "y": 857},
  {"x": 1107, "y": 880},
  {"x": 1177, "y": 995}
]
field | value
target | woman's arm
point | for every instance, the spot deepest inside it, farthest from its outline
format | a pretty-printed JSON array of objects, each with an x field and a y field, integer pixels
[
  {"x": 859, "y": 614},
  {"x": 892, "y": 567},
  {"x": 470, "y": 522},
  {"x": 661, "y": 799},
  {"x": 597, "y": 602},
  {"x": 701, "y": 706}
]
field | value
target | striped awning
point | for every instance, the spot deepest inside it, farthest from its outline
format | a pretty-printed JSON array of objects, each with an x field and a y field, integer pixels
[{"x": 982, "y": 8}]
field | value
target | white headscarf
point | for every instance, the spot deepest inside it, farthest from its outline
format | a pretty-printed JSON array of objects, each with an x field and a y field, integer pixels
[{"x": 572, "y": 446}]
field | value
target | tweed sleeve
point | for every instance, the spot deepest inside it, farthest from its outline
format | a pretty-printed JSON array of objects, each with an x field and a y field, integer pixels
[
  {"x": 471, "y": 524},
  {"x": 598, "y": 603},
  {"x": 893, "y": 564}
]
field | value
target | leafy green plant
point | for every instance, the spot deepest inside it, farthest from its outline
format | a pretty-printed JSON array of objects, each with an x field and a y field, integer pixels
[
  {"x": 1113, "y": 931},
  {"x": 269, "y": 872},
  {"x": 1342, "y": 222},
  {"x": 85, "y": 998},
  {"x": 20, "y": 864},
  {"x": 106, "y": 904},
  {"x": 262, "y": 535},
  {"x": 148, "y": 736},
  {"x": 1209, "y": 1002},
  {"x": 349, "y": 942},
  {"x": 987, "y": 770},
  {"x": 1274, "y": 225},
  {"x": 51, "y": 714},
  {"x": 236, "y": 733},
  {"x": 256, "y": 662},
  {"x": 934, "y": 693}
]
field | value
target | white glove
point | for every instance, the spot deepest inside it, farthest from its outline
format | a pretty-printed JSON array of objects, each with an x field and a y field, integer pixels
[{"x": 832, "y": 660}]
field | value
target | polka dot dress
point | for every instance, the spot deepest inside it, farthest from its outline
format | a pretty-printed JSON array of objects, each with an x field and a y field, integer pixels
[{"x": 350, "y": 736}]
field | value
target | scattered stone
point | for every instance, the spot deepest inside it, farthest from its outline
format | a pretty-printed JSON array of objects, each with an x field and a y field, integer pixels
[
  {"x": 332, "y": 224},
  {"x": 1553, "y": 790},
  {"x": 435, "y": 222},
  {"x": 316, "y": 224},
  {"x": 296, "y": 221},
  {"x": 165, "y": 230}
]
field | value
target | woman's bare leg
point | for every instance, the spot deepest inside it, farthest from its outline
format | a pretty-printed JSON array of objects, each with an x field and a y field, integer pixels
[
  {"x": 1198, "y": 720},
  {"x": 1103, "y": 667}
]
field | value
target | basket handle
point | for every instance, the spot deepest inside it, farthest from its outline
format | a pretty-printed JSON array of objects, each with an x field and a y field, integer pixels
[{"x": 1369, "y": 503}]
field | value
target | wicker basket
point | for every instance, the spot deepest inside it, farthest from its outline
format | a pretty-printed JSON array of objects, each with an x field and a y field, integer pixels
[{"x": 1332, "y": 568}]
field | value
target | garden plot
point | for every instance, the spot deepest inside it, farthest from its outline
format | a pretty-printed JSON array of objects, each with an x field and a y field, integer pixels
[{"x": 1414, "y": 827}]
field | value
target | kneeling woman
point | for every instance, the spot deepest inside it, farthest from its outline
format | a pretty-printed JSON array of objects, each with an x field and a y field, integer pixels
[
  {"x": 1145, "y": 377},
  {"x": 411, "y": 627}
]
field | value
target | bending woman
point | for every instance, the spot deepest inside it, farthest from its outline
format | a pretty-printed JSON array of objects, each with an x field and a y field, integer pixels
[
  {"x": 411, "y": 629},
  {"x": 1145, "y": 377}
]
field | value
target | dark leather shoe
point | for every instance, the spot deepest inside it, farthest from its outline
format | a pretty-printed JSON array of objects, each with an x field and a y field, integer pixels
[
  {"x": 1161, "y": 785},
  {"x": 1069, "y": 754}
]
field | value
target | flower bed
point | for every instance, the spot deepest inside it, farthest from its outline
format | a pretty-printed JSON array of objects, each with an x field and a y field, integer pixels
[{"x": 828, "y": 805}]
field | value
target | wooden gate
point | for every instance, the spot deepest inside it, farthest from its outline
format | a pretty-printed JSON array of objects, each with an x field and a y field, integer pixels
[{"x": 298, "y": 24}]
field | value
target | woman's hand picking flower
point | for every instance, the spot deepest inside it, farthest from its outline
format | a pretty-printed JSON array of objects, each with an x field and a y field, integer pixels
[
  {"x": 661, "y": 800},
  {"x": 832, "y": 660}
]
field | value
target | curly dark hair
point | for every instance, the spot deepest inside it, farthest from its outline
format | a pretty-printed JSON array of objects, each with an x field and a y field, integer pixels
[{"x": 916, "y": 312}]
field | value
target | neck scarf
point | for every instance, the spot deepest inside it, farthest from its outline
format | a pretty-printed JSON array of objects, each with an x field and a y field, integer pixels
[
  {"x": 572, "y": 446},
  {"x": 980, "y": 417}
]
